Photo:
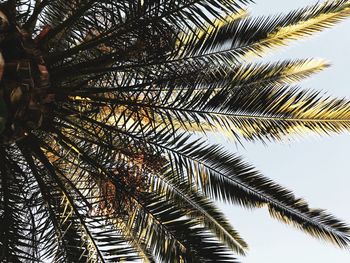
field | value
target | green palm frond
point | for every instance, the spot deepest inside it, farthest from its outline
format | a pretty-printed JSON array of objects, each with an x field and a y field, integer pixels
[
  {"x": 200, "y": 208},
  {"x": 253, "y": 36},
  {"x": 82, "y": 237},
  {"x": 15, "y": 220},
  {"x": 256, "y": 108},
  {"x": 224, "y": 176},
  {"x": 131, "y": 16}
]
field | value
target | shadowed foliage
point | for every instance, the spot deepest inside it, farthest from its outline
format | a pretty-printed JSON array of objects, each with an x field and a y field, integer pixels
[{"x": 105, "y": 107}]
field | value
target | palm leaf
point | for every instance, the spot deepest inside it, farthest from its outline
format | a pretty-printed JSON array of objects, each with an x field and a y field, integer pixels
[
  {"x": 226, "y": 177},
  {"x": 164, "y": 227},
  {"x": 200, "y": 208},
  {"x": 269, "y": 32}
]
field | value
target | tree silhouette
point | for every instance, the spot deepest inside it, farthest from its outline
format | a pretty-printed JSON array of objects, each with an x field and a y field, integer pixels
[{"x": 104, "y": 110}]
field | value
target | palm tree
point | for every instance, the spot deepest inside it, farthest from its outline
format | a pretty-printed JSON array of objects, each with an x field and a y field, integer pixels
[{"x": 104, "y": 110}]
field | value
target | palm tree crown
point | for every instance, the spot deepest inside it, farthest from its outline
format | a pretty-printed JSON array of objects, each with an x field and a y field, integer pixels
[{"x": 103, "y": 109}]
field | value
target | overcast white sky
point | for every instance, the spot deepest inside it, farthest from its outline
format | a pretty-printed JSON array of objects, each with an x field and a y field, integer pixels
[{"x": 317, "y": 169}]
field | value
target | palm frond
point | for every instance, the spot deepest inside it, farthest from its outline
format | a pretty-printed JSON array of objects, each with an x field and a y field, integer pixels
[
  {"x": 247, "y": 109},
  {"x": 226, "y": 177},
  {"x": 164, "y": 227},
  {"x": 80, "y": 236},
  {"x": 200, "y": 208},
  {"x": 235, "y": 40},
  {"x": 21, "y": 215},
  {"x": 120, "y": 19}
]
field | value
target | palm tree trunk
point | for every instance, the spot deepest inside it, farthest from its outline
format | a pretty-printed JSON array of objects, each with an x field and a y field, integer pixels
[{"x": 24, "y": 81}]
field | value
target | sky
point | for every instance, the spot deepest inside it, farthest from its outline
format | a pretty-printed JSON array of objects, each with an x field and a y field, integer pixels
[{"x": 315, "y": 168}]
